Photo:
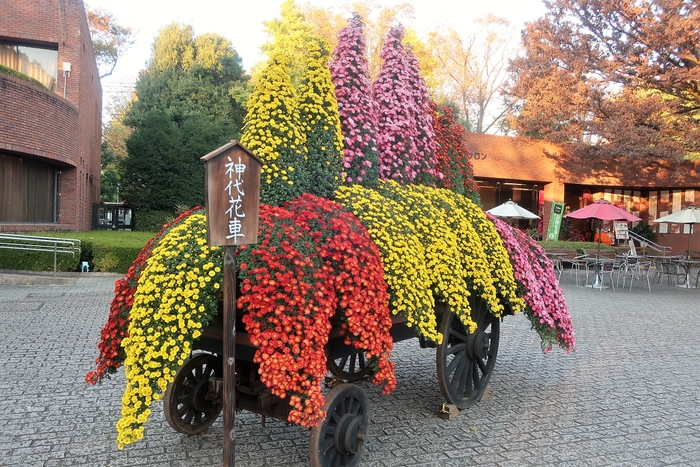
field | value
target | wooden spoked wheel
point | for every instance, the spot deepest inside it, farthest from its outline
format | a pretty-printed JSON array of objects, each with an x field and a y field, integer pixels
[
  {"x": 339, "y": 440},
  {"x": 189, "y": 407},
  {"x": 351, "y": 368},
  {"x": 465, "y": 360}
]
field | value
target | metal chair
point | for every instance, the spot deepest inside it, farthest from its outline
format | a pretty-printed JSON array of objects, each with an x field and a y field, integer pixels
[
  {"x": 671, "y": 269},
  {"x": 640, "y": 270},
  {"x": 609, "y": 269}
]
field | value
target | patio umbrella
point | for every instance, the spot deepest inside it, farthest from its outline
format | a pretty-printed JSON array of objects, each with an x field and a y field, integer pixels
[
  {"x": 689, "y": 215},
  {"x": 511, "y": 210},
  {"x": 603, "y": 211}
]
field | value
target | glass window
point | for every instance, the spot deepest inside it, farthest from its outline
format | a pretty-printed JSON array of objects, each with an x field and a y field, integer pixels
[{"x": 36, "y": 62}]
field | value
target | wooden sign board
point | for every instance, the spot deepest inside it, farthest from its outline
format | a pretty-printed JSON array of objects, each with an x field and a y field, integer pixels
[{"x": 232, "y": 190}]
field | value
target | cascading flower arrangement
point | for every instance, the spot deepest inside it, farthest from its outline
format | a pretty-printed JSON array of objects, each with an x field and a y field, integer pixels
[
  {"x": 452, "y": 155},
  {"x": 313, "y": 259},
  {"x": 111, "y": 353},
  {"x": 546, "y": 308},
  {"x": 434, "y": 243},
  {"x": 378, "y": 249},
  {"x": 176, "y": 296}
]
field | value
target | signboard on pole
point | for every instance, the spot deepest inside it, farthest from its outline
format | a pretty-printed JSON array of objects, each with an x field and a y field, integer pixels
[
  {"x": 555, "y": 221},
  {"x": 232, "y": 194}
]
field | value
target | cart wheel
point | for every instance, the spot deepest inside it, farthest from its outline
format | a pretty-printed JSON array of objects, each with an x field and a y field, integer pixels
[
  {"x": 340, "y": 438},
  {"x": 351, "y": 368},
  {"x": 186, "y": 406},
  {"x": 465, "y": 360}
]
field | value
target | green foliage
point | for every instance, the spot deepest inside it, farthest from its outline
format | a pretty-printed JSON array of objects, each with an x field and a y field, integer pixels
[
  {"x": 152, "y": 221},
  {"x": 104, "y": 250},
  {"x": 109, "y": 39},
  {"x": 17, "y": 74},
  {"x": 291, "y": 36},
  {"x": 578, "y": 246},
  {"x": 37, "y": 261},
  {"x": 643, "y": 229},
  {"x": 184, "y": 109}
]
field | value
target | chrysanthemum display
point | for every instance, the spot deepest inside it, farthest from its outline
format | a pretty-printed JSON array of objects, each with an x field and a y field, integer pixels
[
  {"x": 546, "y": 308},
  {"x": 176, "y": 296},
  {"x": 434, "y": 243},
  {"x": 348, "y": 262}
]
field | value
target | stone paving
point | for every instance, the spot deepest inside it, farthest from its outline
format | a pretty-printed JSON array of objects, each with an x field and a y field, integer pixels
[{"x": 630, "y": 396}]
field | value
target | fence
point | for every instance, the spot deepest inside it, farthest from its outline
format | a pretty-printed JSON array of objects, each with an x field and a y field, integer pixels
[{"x": 36, "y": 243}]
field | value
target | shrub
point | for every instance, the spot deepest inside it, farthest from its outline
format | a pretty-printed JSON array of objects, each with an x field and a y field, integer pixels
[{"x": 151, "y": 221}]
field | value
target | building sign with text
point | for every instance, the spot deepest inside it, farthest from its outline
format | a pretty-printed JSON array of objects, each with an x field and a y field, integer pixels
[{"x": 555, "y": 221}]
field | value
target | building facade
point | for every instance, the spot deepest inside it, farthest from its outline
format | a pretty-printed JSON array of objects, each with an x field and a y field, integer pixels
[
  {"x": 50, "y": 117},
  {"x": 535, "y": 173}
]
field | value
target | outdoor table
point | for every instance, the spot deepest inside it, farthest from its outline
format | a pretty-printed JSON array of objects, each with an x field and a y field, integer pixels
[
  {"x": 687, "y": 265},
  {"x": 597, "y": 263}
]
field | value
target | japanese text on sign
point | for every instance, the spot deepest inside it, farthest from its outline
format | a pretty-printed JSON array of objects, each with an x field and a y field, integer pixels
[{"x": 234, "y": 189}]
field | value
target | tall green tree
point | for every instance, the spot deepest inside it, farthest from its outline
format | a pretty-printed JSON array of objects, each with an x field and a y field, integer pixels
[{"x": 190, "y": 84}]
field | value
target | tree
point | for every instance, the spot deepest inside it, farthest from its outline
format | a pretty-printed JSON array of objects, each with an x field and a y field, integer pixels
[
  {"x": 377, "y": 21},
  {"x": 614, "y": 79},
  {"x": 114, "y": 135},
  {"x": 471, "y": 71},
  {"x": 183, "y": 109},
  {"x": 110, "y": 40},
  {"x": 350, "y": 74},
  {"x": 290, "y": 35}
]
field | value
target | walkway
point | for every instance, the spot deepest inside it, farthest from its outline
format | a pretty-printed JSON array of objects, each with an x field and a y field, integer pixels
[{"x": 629, "y": 397}]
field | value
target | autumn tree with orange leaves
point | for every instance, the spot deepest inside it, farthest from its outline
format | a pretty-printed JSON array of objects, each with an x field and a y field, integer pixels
[{"x": 619, "y": 78}]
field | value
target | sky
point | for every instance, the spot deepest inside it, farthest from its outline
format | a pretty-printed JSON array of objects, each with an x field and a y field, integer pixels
[{"x": 240, "y": 21}]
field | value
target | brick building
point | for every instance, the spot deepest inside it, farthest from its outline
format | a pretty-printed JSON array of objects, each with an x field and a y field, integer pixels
[
  {"x": 536, "y": 173},
  {"x": 50, "y": 128}
]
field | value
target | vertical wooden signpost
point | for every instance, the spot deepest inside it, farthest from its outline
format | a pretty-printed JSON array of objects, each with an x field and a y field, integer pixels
[{"x": 232, "y": 187}]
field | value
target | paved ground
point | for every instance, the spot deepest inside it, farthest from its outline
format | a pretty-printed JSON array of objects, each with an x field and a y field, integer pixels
[{"x": 629, "y": 397}]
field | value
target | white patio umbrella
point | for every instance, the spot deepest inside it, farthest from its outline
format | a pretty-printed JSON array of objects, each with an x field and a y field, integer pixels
[
  {"x": 511, "y": 210},
  {"x": 689, "y": 215}
]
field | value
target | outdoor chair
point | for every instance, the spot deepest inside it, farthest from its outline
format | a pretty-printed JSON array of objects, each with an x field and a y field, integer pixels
[
  {"x": 575, "y": 264},
  {"x": 639, "y": 270},
  {"x": 670, "y": 269}
]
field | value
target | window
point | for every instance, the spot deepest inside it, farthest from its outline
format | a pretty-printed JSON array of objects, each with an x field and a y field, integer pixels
[
  {"x": 40, "y": 63},
  {"x": 27, "y": 190}
]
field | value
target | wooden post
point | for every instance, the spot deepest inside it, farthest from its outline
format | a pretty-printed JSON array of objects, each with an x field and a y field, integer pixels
[
  {"x": 232, "y": 187},
  {"x": 229, "y": 356}
]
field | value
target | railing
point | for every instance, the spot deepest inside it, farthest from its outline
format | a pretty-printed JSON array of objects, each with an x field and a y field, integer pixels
[
  {"x": 36, "y": 243},
  {"x": 645, "y": 243}
]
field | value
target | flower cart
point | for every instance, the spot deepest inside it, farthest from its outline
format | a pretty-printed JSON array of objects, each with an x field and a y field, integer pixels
[
  {"x": 465, "y": 361},
  {"x": 369, "y": 233}
]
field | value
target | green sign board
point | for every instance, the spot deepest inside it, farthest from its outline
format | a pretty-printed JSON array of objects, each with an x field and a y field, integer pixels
[{"x": 555, "y": 221}]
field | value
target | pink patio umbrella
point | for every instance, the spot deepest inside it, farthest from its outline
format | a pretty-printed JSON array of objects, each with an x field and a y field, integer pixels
[{"x": 603, "y": 211}]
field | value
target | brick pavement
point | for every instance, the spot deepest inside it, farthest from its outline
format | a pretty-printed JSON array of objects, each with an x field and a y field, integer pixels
[{"x": 629, "y": 397}]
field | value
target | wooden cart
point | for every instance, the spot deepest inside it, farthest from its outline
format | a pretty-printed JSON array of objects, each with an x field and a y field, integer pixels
[{"x": 465, "y": 362}]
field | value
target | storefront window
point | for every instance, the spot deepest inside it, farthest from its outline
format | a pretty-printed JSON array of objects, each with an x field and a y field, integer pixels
[{"x": 36, "y": 62}]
